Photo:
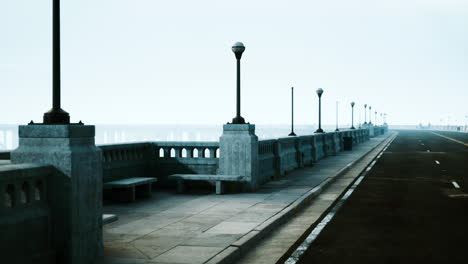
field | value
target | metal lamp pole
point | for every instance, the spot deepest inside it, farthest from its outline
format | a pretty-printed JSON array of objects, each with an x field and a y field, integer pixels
[
  {"x": 292, "y": 113},
  {"x": 56, "y": 115},
  {"x": 365, "y": 114},
  {"x": 238, "y": 48},
  {"x": 319, "y": 93},
  {"x": 370, "y": 114},
  {"x": 352, "y": 115},
  {"x": 337, "y": 117}
]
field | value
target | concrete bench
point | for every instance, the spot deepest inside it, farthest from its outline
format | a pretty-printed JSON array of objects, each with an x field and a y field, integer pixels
[
  {"x": 219, "y": 179},
  {"x": 131, "y": 187},
  {"x": 109, "y": 218}
]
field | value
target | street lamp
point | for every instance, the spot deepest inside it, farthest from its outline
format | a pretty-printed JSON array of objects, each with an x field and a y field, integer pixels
[
  {"x": 238, "y": 48},
  {"x": 337, "y": 117},
  {"x": 370, "y": 114},
  {"x": 319, "y": 93},
  {"x": 375, "y": 118},
  {"x": 352, "y": 115},
  {"x": 56, "y": 115},
  {"x": 292, "y": 113},
  {"x": 365, "y": 114}
]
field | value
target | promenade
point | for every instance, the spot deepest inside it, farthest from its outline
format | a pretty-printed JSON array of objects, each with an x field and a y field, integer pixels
[{"x": 198, "y": 227}]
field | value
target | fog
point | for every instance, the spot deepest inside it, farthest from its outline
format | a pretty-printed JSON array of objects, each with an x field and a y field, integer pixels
[{"x": 170, "y": 62}]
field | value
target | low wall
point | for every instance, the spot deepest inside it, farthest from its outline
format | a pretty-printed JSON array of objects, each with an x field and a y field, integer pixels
[
  {"x": 25, "y": 214},
  {"x": 159, "y": 159},
  {"x": 183, "y": 157},
  {"x": 279, "y": 156},
  {"x": 276, "y": 157}
]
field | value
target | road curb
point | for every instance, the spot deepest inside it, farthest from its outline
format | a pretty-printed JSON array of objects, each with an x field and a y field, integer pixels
[{"x": 238, "y": 248}]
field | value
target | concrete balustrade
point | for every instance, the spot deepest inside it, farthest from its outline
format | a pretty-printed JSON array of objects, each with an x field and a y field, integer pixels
[
  {"x": 186, "y": 158},
  {"x": 267, "y": 155},
  {"x": 25, "y": 213},
  {"x": 158, "y": 159},
  {"x": 278, "y": 156}
]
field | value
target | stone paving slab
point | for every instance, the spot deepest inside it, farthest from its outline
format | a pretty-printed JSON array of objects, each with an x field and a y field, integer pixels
[{"x": 209, "y": 228}]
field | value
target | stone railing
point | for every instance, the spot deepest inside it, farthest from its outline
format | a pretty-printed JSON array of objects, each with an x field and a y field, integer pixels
[
  {"x": 4, "y": 155},
  {"x": 267, "y": 152},
  {"x": 121, "y": 161},
  {"x": 158, "y": 159},
  {"x": 276, "y": 157},
  {"x": 307, "y": 150},
  {"x": 184, "y": 157},
  {"x": 25, "y": 213},
  {"x": 288, "y": 158}
]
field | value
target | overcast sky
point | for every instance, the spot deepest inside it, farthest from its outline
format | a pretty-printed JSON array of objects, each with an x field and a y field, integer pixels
[{"x": 150, "y": 61}]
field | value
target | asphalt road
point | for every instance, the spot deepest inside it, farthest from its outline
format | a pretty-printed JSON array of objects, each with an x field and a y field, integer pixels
[{"x": 407, "y": 209}]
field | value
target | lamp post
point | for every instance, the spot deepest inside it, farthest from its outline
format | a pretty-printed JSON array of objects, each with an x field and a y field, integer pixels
[
  {"x": 238, "y": 48},
  {"x": 352, "y": 115},
  {"x": 319, "y": 93},
  {"x": 466, "y": 121},
  {"x": 365, "y": 114},
  {"x": 56, "y": 115},
  {"x": 370, "y": 114},
  {"x": 375, "y": 118},
  {"x": 292, "y": 113},
  {"x": 337, "y": 117}
]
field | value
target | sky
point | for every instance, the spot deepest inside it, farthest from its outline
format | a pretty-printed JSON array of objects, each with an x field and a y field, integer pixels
[{"x": 170, "y": 62}]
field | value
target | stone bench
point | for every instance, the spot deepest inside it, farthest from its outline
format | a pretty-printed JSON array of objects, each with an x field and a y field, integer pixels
[
  {"x": 219, "y": 179},
  {"x": 109, "y": 218},
  {"x": 128, "y": 189}
]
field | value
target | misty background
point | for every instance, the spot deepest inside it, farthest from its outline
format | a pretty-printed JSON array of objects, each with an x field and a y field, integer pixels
[{"x": 146, "y": 62}]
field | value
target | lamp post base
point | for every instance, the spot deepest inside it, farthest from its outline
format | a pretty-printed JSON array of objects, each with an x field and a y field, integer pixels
[
  {"x": 292, "y": 134},
  {"x": 238, "y": 120},
  {"x": 336, "y": 130},
  {"x": 319, "y": 131},
  {"x": 56, "y": 117},
  {"x": 352, "y": 127}
]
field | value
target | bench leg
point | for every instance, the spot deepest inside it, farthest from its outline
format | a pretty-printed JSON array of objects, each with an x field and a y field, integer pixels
[
  {"x": 144, "y": 190},
  {"x": 219, "y": 187},
  {"x": 132, "y": 194},
  {"x": 180, "y": 185}
]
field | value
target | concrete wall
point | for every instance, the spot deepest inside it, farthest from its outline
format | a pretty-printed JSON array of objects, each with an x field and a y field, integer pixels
[
  {"x": 25, "y": 214},
  {"x": 279, "y": 156},
  {"x": 159, "y": 159}
]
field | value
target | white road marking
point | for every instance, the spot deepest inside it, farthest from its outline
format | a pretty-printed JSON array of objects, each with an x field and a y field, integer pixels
[
  {"x": 455, "y": 184},
  {"x": 437, "y": 162}
]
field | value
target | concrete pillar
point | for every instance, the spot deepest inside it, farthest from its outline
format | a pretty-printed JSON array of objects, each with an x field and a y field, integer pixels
[
  {"x": 238, "y": 148},
  {"x": 369, "y": 127},
  {"x": 75, "y": 191}
]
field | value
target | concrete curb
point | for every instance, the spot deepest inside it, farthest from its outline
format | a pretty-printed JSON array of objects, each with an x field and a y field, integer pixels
[{"x": 233, "y": 252}]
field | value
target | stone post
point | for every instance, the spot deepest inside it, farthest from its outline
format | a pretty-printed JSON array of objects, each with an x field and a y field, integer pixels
[
  {"x": 75, "y": 189},
  {"x": 238, "y": 148},
  {"x": 370, "y": 127}
]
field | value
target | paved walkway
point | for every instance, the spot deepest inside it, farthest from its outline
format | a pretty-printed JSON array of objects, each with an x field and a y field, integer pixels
[{"x": 201, "y": 228}]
